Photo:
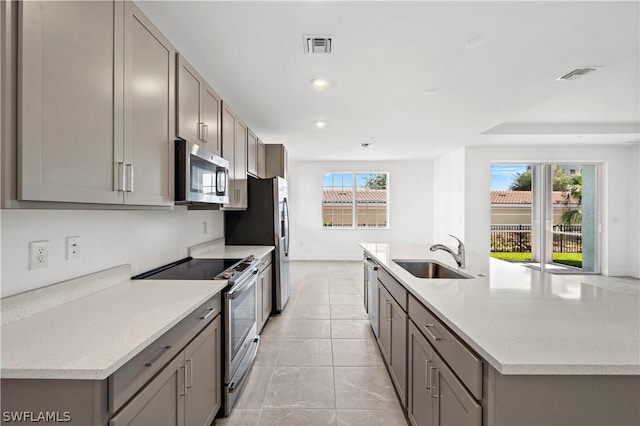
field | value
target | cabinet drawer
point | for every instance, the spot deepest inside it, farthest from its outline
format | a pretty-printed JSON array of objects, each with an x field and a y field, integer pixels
[
  {"x": 394, "y": 287},
  {"x": 466, "y": 365},
  {"x": 132, "y": 376},
  {"x": 264, "y": 262}
]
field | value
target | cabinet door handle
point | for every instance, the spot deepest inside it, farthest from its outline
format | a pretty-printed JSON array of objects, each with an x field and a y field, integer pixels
[
  {"x": 210, "y": 311},
  {"x": 157, "y": 357},
  {"x": 188, "y": 373},
  {"x": 237, "y": 195},
  {"x": 433, "y": 382},
  {"x": 182, "y": 387},
  {"x": 199, "y": 130},
  {"x": 427, "y": 328},
  {"x": 129, "y": 167},
  {"x": 387, "y": 310},
  {"x": 121, "y": 174},
  {"x": 206, "y": 132},
  {"x": 427, "y": 376}
]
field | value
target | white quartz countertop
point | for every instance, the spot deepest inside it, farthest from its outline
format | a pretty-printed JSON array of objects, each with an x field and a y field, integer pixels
[
  {"x": 89, "y": 338},
  {"x": 523, "y": 321}
]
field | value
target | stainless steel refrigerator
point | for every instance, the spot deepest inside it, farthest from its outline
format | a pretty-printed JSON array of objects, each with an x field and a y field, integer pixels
[{"x": 265, "y": 222}]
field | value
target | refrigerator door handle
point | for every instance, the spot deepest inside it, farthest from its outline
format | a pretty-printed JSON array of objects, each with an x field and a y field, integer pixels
[{"x": 286, "y": 218}]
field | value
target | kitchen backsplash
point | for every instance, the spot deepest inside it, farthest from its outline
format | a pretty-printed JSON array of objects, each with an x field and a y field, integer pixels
[{"x": 145, "y": 239}]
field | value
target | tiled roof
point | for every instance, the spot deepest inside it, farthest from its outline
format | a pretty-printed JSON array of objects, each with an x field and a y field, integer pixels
[
  {"x": 362, "y": 195},
  {"x": 522, "y": 197}
]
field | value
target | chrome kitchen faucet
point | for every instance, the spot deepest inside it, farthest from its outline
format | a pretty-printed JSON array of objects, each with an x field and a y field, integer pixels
[{"x": 459, "y": 257}]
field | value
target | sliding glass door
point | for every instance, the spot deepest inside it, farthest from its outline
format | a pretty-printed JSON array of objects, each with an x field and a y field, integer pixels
[{"x": 546, "y": 215}]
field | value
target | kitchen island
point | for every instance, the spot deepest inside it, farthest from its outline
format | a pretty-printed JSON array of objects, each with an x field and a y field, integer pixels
[{"x": 553, "y": 349}]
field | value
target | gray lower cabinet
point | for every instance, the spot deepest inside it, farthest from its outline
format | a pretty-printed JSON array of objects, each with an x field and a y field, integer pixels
[
  {"x": 203, "y": 376},
  {"x": 436, "y": 396},
  {"x": 186, "y": 392},
  {"x": 265, "y": 291},
  {"x": 161, "y": 403},
  {"x": 392, "y": 340},
  {"x": 420, "y": 357}
]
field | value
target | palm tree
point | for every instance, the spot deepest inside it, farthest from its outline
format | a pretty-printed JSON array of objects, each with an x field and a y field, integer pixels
[{"x": 573, "y": 198}]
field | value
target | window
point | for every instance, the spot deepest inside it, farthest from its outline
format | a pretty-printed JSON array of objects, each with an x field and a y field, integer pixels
[{"x": 355, "y": 200}]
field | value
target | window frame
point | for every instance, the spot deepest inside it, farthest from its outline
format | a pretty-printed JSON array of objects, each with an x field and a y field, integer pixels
[{"x": 354, "y": 204}]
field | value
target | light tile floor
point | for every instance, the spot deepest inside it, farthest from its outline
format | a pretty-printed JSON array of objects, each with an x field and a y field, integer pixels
[{"x": 318, "y": 362}]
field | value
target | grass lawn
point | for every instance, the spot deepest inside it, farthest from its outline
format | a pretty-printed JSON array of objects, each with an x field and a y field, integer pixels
[
  {"x": 571, "y": 259},
  {"x": 512, "y": 257}
]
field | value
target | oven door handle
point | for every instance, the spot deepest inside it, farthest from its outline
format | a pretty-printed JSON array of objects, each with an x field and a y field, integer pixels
[
  {"x": 243, "y": 287},
  {"x": 234, "y": 385}
]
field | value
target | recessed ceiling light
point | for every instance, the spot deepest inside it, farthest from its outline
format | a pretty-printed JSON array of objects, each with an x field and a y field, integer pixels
[
  {"x": 319, "y": 83},
  {"x": 474, "y": 42},
  {"x": 430, "y": 92},
  {"x": 321, "y": 124},
  {"x": 366, "y": 145}
]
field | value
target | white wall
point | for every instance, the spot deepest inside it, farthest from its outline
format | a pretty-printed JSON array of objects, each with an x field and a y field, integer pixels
[
  {"x": 619, "y": 187},
  {"x": 410, "y": 212},
  {"x": 448, "y": 197},
  {"x": 634, "y": 210},
  {"x": 144, "y": 239}
]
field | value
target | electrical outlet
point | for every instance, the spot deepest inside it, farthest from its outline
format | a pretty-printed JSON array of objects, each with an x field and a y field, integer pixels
[
  {"x": 38, "y": 254},
  {"x": 73, "y": 248}
]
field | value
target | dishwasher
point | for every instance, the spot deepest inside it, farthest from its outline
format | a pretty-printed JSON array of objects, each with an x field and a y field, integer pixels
[{"x": 371, "y": 282}]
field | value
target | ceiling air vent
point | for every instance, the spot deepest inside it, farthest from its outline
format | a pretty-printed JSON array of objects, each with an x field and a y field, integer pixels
[
  {"x": 314, "y": 43},
  {"x": 578, "y": 73}
]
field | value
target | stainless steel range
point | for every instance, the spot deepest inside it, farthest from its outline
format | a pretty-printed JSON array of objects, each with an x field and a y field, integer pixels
[
  {"x": 239, "y": 312},
  {"x": 240, "y": 334}
]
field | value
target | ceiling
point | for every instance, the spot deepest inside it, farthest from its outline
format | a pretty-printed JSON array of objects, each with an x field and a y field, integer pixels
[{"x": 386, "y": 55}]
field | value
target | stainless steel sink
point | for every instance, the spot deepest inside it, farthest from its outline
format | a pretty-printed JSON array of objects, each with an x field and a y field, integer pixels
[{"x": 430, "y": 269}]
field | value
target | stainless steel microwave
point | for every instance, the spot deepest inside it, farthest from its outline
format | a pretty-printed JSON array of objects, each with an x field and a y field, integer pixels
[{"x": 201, "y": 176}]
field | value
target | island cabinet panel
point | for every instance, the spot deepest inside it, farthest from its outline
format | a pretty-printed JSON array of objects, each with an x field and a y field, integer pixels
[
  {"x": 464, "y": 362},
  {"x": 584, "y": 400},
  {"x": 392, "y": 339},
  {"x": 420, "y": 358}
]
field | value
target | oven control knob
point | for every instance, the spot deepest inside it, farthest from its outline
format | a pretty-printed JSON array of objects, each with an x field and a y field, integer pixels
[{"x": 227, "y": 274}]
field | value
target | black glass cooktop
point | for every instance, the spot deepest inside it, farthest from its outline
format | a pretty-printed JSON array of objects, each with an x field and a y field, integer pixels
[{"x": 189, "y": 269}]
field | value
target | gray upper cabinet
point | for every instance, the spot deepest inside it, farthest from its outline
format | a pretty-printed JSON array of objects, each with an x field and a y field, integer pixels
[
  {"x": 149, "y": 117},
  {"x": 262, "y": 170},
  {"x": 234, "y": 150},
  {"x": 69, "y": 82},
  {"x": 96, "y": 104},
  {"x": 276, "y": 161},
  {"x": 252, "y": 154},
  {"x": 199, "y": 108}
]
